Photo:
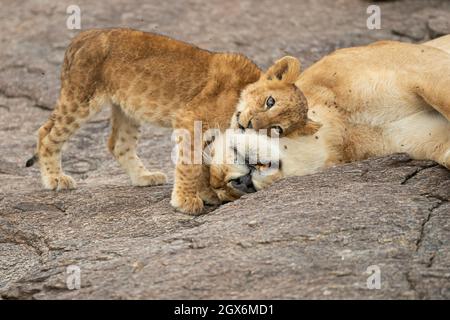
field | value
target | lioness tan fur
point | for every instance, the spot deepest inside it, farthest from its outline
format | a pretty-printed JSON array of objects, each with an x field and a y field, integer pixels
[
  {"x": 375, "y": 100},
  {"x": 147, "y": 78}
]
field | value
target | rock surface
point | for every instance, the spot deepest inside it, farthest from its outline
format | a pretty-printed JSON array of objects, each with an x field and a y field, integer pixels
[{"x": 305, "y": 237}]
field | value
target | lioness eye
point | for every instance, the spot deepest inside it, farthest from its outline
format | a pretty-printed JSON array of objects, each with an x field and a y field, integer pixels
[{"x": 270, "y": 102}]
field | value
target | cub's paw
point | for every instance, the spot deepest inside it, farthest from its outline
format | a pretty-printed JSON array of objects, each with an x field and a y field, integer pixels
[
  {"x": 150, "y": 179},
  {"x": 60, "y": 182},
  {"x": 209, "y": 197},
  {"x": 192, "y": 205}
]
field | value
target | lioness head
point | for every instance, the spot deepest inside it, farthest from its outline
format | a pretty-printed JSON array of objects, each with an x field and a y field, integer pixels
[
  {"x": 275, "y": 102},
  {"x": 244, "y": 163}
]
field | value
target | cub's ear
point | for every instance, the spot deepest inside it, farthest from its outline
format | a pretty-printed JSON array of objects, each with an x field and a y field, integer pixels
[{"x": 286, "y": 69}]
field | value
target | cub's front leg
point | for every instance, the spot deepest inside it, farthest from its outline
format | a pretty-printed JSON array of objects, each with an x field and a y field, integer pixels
[{"x": 191, "y": 189}]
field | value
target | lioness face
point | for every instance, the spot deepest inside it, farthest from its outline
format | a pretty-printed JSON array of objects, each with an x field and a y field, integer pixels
[
  {"x": 275, "y": 102},
  {"x": 243, "y": 163}
]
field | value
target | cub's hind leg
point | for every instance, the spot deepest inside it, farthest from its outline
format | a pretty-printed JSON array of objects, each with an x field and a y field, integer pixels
[
  {"x": 122, "y": 144},
  {"x": 65, "y": 120}
]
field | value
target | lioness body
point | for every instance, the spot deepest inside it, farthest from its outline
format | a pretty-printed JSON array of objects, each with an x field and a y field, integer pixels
[
  {"x": 375, "y": 100},
  {"x": 382, "y": 99},
  {"x": 146, "y": 78}
]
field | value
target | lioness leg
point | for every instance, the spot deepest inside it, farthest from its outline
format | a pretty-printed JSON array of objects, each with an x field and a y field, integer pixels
[
  {"x": 436, "y": 94},
  {"x": 442, "y": 43},
  {"x": 424, "y": 135},
  {"x": 122, "y": 144},
  {"x": 431, "y": 80}
]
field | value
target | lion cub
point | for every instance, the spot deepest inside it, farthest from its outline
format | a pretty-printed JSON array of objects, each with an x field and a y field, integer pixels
[
  {"x": 148, "y": 78},
  {"x": 274, "y": 101}
]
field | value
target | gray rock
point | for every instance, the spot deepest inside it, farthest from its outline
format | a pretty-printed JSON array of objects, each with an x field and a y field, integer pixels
[{"x": 439, "y": 25}]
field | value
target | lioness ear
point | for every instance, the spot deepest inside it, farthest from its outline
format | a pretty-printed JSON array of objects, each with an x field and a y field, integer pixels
[{"x": 286, "y": 69}]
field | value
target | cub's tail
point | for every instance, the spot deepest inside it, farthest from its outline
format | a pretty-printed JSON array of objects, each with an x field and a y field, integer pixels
[{"x": 31, "y": 161}]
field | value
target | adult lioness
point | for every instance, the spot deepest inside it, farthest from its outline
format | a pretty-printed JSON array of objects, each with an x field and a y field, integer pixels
[{"x": 375, "y": 100}]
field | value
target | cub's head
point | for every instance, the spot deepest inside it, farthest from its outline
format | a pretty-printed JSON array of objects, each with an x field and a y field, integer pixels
[
  {"x": 244, "y": 163},
  {"x": 275, "y": 102}
]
